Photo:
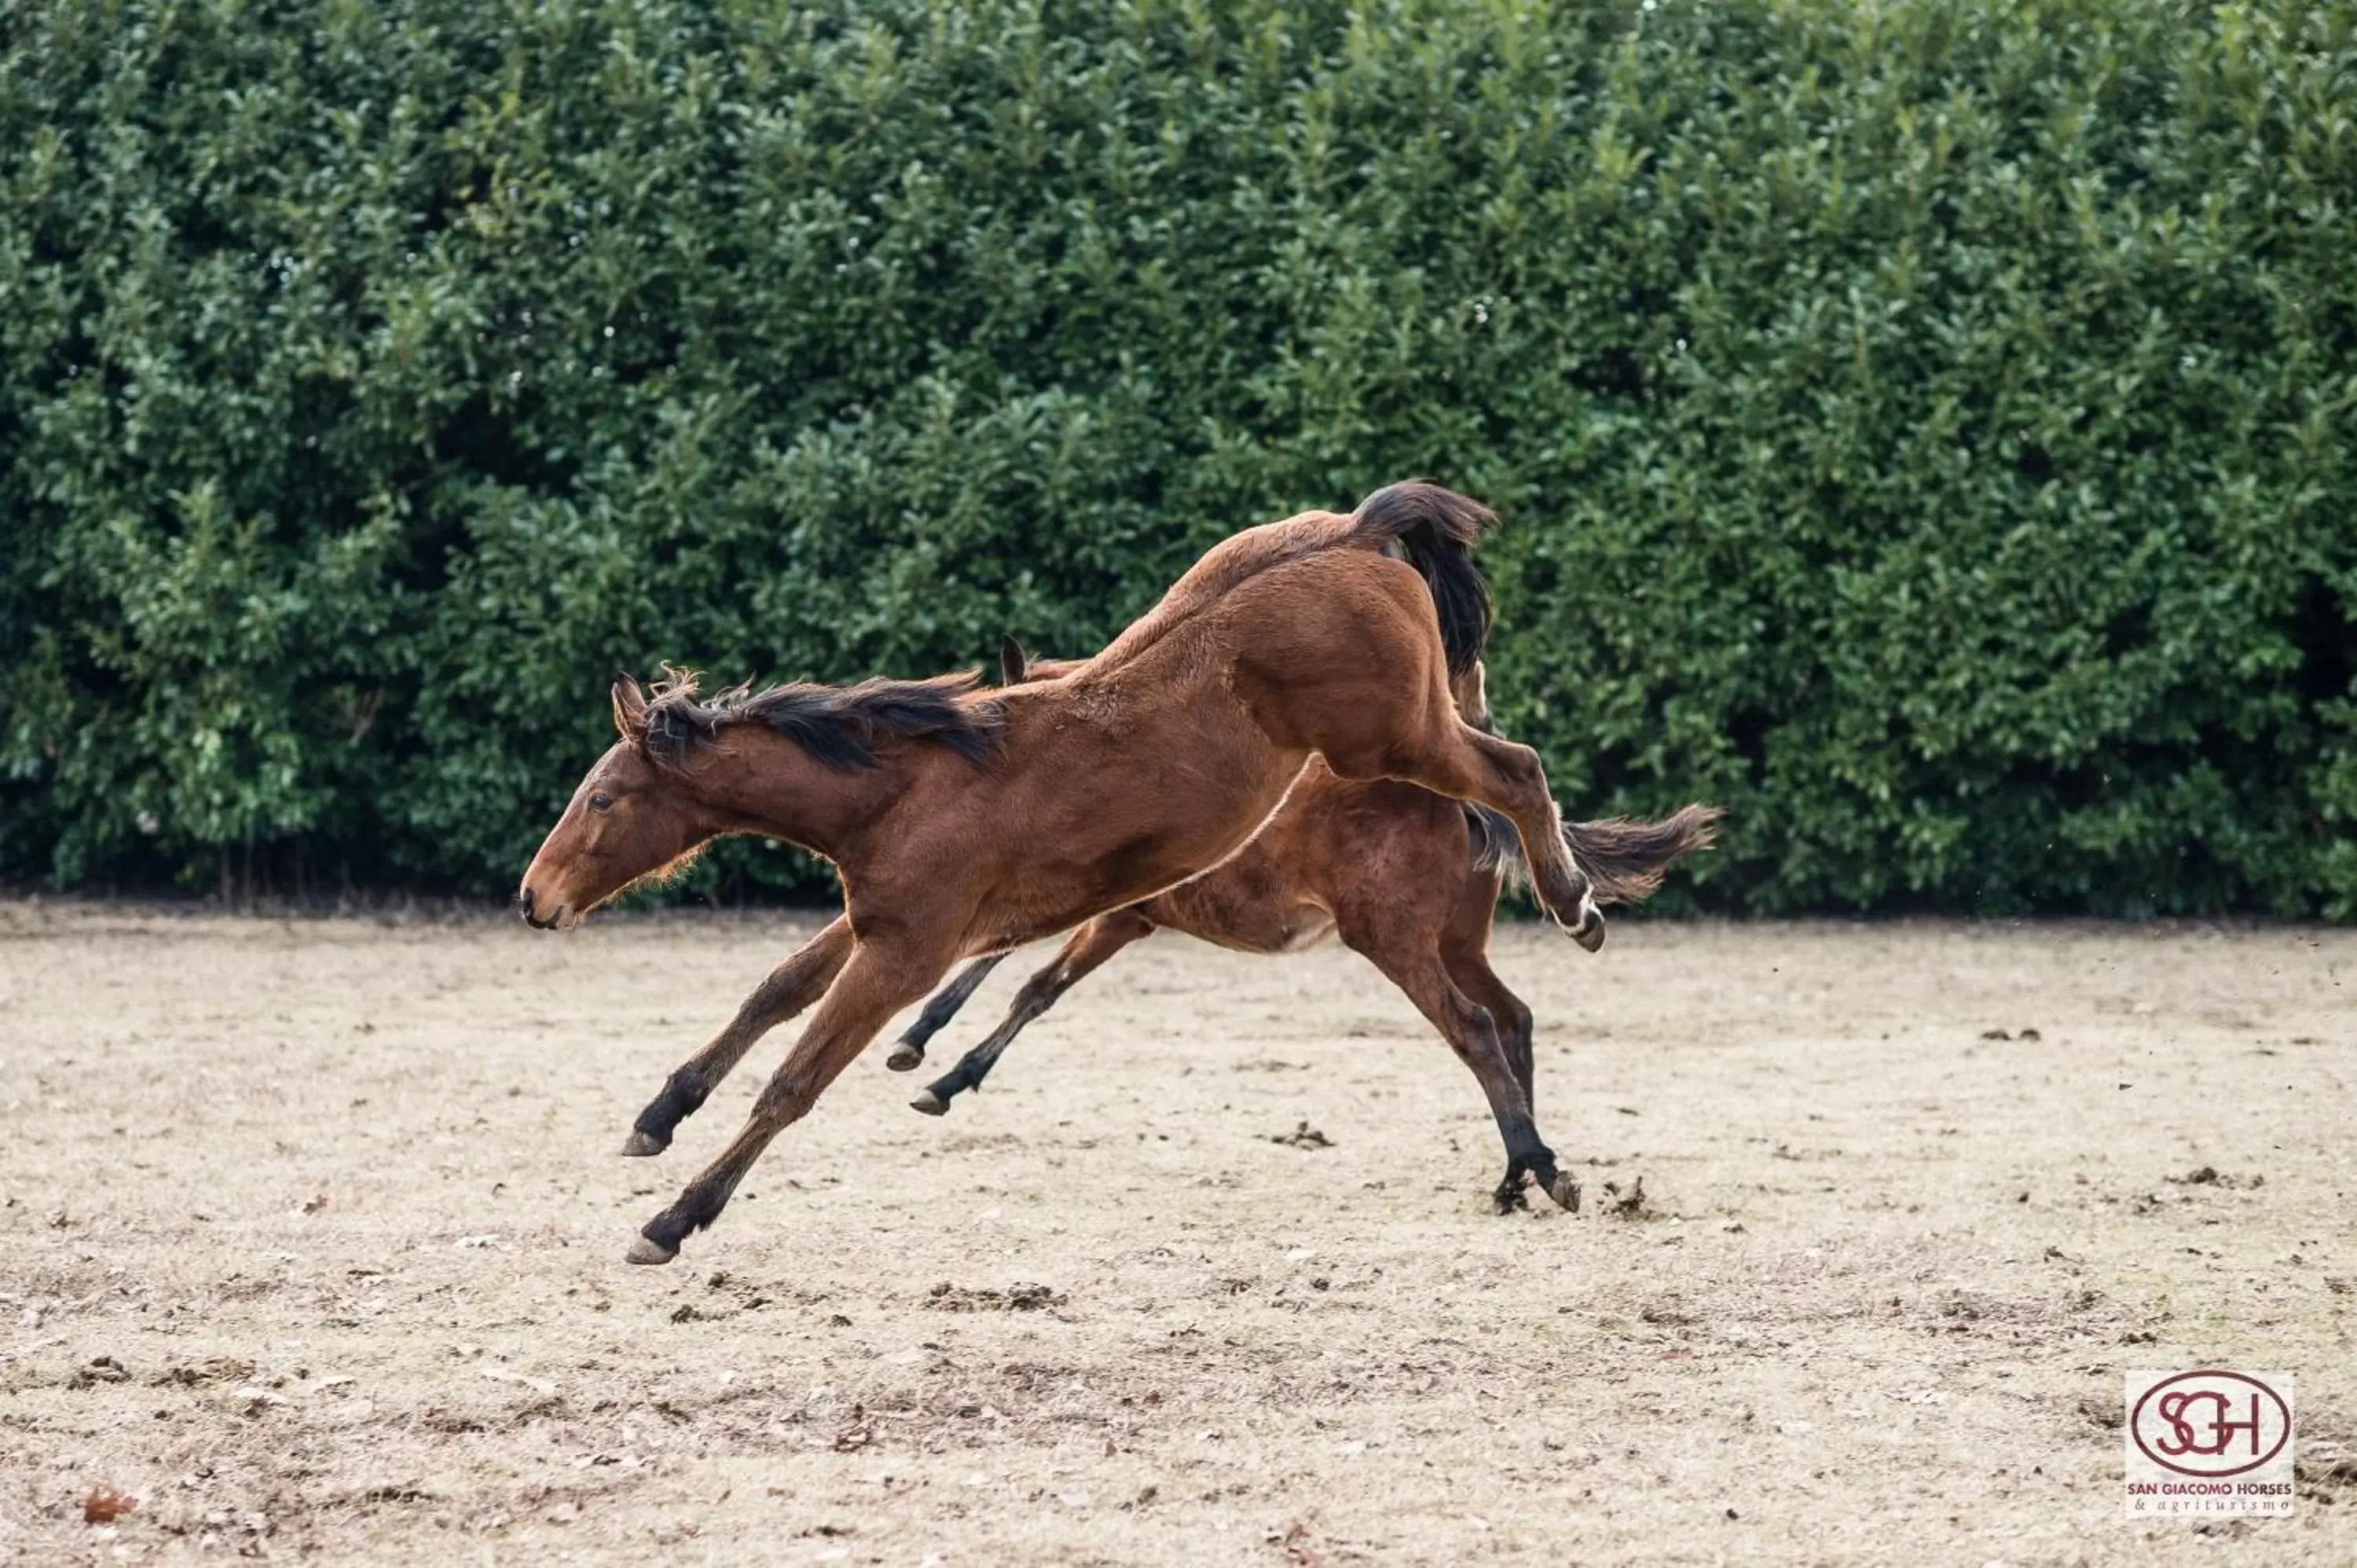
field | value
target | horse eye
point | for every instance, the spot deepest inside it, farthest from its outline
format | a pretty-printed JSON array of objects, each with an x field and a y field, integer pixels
[{"x": 601, "y": 802}]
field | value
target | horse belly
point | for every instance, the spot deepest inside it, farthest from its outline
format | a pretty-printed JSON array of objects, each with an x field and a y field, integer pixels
[
  {"x": 1254, "y": 901},
  {"x": 1093, "y": 860}
]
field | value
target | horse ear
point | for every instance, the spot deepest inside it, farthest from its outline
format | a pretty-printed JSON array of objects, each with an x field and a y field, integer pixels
[
  {"x": 630, "y": 709},
  {"x": 1013, "y": 663}
]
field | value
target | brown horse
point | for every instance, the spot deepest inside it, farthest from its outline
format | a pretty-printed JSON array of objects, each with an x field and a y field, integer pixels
[
  {"x": 1407, "y": 879},
  {"x": 963, "y": 824}
]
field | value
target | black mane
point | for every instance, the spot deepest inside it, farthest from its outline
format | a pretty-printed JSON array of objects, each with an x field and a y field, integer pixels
[{"x": 839, "y": 727}]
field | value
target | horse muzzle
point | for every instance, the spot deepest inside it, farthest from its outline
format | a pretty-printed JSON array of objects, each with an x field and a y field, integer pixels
[{"x": 550, "y": 919}]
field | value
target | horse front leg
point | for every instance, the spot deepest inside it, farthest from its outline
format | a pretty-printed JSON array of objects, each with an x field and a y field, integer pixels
[
  {"x": 1083, "y": 953},
  {"x": 793, "y": 986},
  {"x": 909, "y": 1051},
  {"x": 879, "y": 979}
]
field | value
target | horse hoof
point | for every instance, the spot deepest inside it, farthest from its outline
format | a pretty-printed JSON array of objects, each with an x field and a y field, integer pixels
[
  {"x": 641, "y": 1143},
  {"x": 1588, "y": 929},
  {"x": 929, "y": 1102},
  {"x": 1565, "y": 1190},
  {"x": 647, "y": 1250},
  {"x": 906, "y": 1058}
]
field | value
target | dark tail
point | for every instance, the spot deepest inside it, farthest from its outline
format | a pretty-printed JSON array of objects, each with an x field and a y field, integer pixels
[
  {"x": 1437, "y": 529},
  {"x": 1496, "y": 846},
  {"x": 1624, "y": 859}
]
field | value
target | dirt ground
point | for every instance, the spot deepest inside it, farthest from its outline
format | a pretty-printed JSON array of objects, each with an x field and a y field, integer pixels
[{"x": 314, "y": 1229}]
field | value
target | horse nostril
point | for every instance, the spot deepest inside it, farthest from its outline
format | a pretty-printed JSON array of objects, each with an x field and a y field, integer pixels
[{"x": 523, "y": 904}]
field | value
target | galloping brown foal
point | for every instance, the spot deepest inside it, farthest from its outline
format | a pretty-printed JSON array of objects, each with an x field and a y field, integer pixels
[
  {"x": 1405, "y": 878},
  {"x": 963, "y": 824}
]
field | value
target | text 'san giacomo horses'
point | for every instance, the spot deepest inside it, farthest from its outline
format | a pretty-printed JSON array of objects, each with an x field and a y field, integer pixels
[
  {"x": 1405, "y": 878},
  {"x": 963, "y": 822}
]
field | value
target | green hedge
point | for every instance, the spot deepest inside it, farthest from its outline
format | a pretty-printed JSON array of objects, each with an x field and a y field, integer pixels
[{"x": 1922, "y": 428}]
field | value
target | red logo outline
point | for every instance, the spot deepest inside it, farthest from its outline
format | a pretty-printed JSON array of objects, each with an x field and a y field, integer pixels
[{"x": 2283, "y": 1410}]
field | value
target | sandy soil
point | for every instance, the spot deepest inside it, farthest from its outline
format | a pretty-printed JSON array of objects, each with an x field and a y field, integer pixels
[{"x": 313, "y": 1235}]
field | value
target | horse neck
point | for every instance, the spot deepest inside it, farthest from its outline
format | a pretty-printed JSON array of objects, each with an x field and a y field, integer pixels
[{"x": 760, "y": 782}]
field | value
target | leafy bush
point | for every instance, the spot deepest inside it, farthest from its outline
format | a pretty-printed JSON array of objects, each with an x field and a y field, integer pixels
[{"x": 1923, "y": 429}]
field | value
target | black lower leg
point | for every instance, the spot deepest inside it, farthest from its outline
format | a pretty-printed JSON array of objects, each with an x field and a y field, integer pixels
[
  {"x": 694, "y": 1209},
  {"x": 1037, "y": 996},
  {"x": 783, "y": 1100},
  {"x": 784, "y": 991},
  {"x": 1515, "y": 1035},
  {"x": 909, "y": 1052},
  {"x": 684, "y": 1094},
  {"x": 1539, "y": 1161},
  {"x": 1526, "y": 1151},
  {"x": 937, "y": 1095},
  {"x": 971, "y": 1069}
]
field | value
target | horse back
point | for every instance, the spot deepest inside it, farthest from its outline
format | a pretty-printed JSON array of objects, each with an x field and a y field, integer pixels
[{"x": 1231, "y": 563}]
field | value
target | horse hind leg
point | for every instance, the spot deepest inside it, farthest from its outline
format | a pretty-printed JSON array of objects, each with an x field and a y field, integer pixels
[
  {"x": 1467, "y": 764},
  {"x": 1449, "y": 756},
  {"x": 1465, "y": 952},
  {"x": 1416, "y": 968},
  {"x": 1469, "y": 967}
]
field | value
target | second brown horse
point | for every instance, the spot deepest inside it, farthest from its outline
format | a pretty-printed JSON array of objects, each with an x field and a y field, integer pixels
[{"x": 1403, "y": 877}]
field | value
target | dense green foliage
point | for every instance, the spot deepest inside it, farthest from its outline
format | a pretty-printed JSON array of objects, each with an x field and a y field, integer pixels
[{"x": 1923, "y": 428}]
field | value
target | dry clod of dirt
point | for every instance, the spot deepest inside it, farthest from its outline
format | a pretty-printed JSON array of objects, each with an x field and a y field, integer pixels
[
  {"x": 1628, "y": 1205},
  {"x": 100, "y": 1370},
  {"x": 2103, "y": 1414},
  {"x": 104, "y": 1505},
  {"x": 214, "y": 1369},
  {"x": 1303, "y": 1137},
  {"x": 2207, "y": 1175},
  {"x": 1018, "y": 1297}
]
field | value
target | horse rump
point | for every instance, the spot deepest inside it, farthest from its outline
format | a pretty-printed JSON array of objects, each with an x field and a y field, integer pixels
[{"x": 1436, "y": 527}]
